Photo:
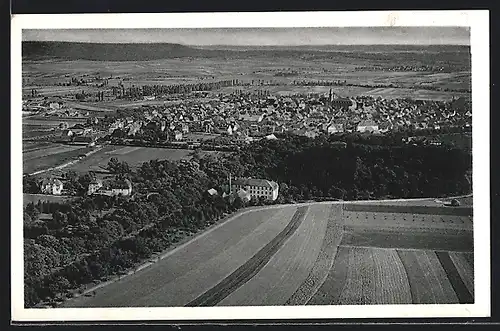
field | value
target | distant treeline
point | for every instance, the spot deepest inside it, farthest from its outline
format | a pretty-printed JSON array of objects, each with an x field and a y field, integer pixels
[{"x": 391, "y": 85}]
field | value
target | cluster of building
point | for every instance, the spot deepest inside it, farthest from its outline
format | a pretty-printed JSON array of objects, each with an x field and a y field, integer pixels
[
  {"x": 121, "y": 187},
  {"x": 53, "y": 106},
  {"x": 246, "y": 116},
  {"x": 248, "y": 188},
  {"x": 54, "y": 186}
]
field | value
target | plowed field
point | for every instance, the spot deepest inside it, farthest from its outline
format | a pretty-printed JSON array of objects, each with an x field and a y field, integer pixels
[{"x": 314, "y": 254}]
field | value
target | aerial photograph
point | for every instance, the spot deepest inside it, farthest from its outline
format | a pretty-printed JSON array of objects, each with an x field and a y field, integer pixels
[{"x": 195, "y": 167}]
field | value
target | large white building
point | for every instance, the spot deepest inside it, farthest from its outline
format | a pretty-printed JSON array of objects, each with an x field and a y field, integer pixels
[
  {"x": 51, "y": 186},
  {"x": 111, "y": 188},
  {"x": 256, "y": 187}
]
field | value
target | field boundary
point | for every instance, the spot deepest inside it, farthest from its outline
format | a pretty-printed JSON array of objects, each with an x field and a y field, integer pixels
[
  {"x": 252, "y": 266},
  {"x": 422, "y": 210},
  {"x": 324, "y": 261},
  {"x": 458, "y": 285}
]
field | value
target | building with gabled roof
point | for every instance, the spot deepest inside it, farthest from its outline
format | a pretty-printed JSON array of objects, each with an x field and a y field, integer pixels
[
  {"x": 256, "y": 187},
  {"x": 368, "y": 126},
  {"x": 111, "y": 188},
  {"x": 51, "y": 186},
  {"x": 335, "y": 128}
]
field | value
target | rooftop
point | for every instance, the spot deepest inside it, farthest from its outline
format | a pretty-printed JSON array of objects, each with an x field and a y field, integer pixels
[{"x": 255, "y": 182}]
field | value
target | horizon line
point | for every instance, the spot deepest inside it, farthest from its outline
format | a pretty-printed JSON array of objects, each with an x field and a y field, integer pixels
[{"x": 246, "y": 45}]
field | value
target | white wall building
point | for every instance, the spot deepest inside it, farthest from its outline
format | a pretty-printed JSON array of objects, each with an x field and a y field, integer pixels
[{"x": 256, "y": 187}]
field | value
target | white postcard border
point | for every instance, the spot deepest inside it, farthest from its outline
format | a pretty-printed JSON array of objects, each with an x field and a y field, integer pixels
[{"x": 477, "y": 20}]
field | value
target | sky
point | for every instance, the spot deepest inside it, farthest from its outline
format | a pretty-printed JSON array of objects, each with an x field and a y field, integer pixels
[{"x": 262, "y": 36}]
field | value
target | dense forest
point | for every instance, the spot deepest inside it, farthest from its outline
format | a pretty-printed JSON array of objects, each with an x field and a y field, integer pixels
[{"x": 93, "y": 238}]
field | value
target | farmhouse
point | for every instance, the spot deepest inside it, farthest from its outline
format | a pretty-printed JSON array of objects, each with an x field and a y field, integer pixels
[
  {"x": 335, "y": 128},
  {"x": 55, "y": 105},
  {"x": 367, "y": 126},
  {"x": 178, "y": 135},
  {"x": 51, "y": 186},
  {"x": 212, "y": 192},
  {"x": 111, "y": 188},
  {"x": 256, "y": 187},
  {"x": 94, "y": 186}
]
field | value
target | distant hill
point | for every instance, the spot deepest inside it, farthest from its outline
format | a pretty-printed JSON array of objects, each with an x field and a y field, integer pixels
[
  {"x": 108, "y": 52},
  {"x": 36, "y": 50}
]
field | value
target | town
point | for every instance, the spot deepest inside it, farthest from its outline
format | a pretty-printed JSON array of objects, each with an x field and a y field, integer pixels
[
  {"x": 226, "y": 121},
  {"x": 245, "y": 117}
]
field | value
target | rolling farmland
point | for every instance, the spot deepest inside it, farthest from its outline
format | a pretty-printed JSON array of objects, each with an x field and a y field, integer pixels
[{"x": 311, "y": 254}]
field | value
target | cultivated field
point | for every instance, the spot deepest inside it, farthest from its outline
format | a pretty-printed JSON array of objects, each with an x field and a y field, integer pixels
[
  {"x": 134, "y": 156},
  {"x": 50, "y": 122},
  {"x": 29, "y": 146},
  {"x": 50, "y": 150},
  {"x": 50, "y": 155},
  {"x": 312, "y": 254},
  {"x": 45, "y": 74}
]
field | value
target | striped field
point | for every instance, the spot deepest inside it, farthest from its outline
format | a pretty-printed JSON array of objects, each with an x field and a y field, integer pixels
[{"x": 311, "y": 254}]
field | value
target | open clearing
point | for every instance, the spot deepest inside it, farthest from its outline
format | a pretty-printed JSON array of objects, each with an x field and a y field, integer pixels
[
  {"x": 134, "y": 156},
  {"x": 27, "y": 198},
  {"x": 310, "y": 254}
]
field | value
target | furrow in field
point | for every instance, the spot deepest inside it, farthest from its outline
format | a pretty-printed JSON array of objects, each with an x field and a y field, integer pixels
[
  {"x": 469, "y": 256},
  {"x": 388, "y": 221},
  {"x": 329, "y": 292},
  {"x": 57, "y": 149},
  {"x": 420, "y": 285},
  {"x": 428, "y": 280},
  {"x": 221, "y": 240},
  {"x": 202, "y": 277},
  {"x": 462, "y": 292},
  {"x": 249, "y": 269},
  {"x": 446, "y": 293},
  {"x": 391, "y": 285},
  {"x": 324, "y": 261},
  {"x": 359, "y": 287},
  {"x": 288, "y": 268},
  {"x": 408, "y": 209},
  {"x": 426, "y": 239},
  {"x": 464, "y": 268}
]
